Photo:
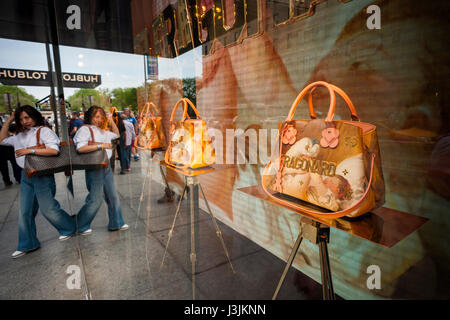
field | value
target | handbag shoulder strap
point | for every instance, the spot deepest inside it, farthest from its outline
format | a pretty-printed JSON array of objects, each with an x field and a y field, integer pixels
[
  {"x": 38, "y": 138},
  {"x": 92, "y": 134}
]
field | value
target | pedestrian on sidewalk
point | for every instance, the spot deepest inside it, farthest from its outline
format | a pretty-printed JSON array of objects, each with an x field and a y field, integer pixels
[
  {"x": 127, "y": 136},
  {"x": 35, "y": 192},
  {"x": 75, "y": 123},
  {"x": 130, "y": 117},
  {"x": 98, "y": 180},
  {"x": 7, "y": 154}
]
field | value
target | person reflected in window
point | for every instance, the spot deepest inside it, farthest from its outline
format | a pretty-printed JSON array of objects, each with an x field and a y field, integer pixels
[
  {"x": 129, "y": 116},
  {"x": 7, "y": 154},
  {"x": 127, "y": 136},
  {"x": 98, "y": 180},
  {"x": 75, "y": 123}
]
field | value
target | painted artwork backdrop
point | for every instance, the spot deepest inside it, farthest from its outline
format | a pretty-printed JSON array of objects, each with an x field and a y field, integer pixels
[{"x": 397, "y": 77}]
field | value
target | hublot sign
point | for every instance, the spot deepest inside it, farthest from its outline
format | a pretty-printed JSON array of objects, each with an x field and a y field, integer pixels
[{"x": 42, "y": 78}]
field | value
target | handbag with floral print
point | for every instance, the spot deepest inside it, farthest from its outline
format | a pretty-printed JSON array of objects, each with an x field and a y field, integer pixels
[
  {"x": 332, "y": 164},
  {"x": 190, "y": 145},
  {"x": 150, "y": 130}
]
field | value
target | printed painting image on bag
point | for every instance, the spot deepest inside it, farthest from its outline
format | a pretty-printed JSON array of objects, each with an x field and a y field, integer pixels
[
  {"x": 332, "y": 164},
  {"x": 190, "y": 145},
  {"x": 150, "y": 130}
]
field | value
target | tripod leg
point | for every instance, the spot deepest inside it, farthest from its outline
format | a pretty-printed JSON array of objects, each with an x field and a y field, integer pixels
[
  {"x": 193, "y": 255},
  {"x": 165, "y": 181},
  {"x": 329, "y": 278},
  {"x": 141, "y": 197},
  {"x": 218, "y": 231},
  {"x": 323, "y": 273},
  {"x": 173, "y": 226},
  {"x": 288, "y": 264},
  {"x": 327, "y": 283}
]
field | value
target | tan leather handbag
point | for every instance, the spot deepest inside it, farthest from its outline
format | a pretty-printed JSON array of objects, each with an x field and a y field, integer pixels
[
  {"x": 150, "y": 129},
  {"x": 334, "y": 165},
  {"x": 190, "y": 145}
]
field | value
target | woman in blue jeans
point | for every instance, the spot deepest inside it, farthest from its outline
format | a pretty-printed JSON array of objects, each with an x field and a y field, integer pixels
[
  {"x": 98, "y": 182},
  {"x": 35, "y": 192}
]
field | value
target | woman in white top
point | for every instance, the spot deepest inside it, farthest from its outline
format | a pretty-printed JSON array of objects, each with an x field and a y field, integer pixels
[
  {"x": 35, "y": 192},
  {"x": 98, "y": 181}
]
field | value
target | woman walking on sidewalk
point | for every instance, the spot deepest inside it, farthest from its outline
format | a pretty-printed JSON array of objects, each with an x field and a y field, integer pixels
[
  {"x": 35, "y": 192},
  {"x": 98, "y": 180}
]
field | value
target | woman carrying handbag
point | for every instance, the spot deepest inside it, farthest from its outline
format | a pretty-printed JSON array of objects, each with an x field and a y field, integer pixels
[
  {"x": 35, "y": 192},
  {"x": 98, "y": 180}
]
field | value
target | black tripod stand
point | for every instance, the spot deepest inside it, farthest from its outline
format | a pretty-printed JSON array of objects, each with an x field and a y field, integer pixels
[{"x": 316, "y": 233}]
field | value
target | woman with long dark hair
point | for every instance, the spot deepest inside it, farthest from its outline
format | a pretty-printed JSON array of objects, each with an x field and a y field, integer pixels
[
  {"x": 97, "y": 181},
  {"x": 35, "y": 192}
]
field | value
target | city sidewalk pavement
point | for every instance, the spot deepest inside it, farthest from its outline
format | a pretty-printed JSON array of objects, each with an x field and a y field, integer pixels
[{"x": 127, "y": 264}]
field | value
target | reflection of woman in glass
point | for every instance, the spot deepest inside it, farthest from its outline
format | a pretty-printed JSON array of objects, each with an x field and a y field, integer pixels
[
  {"x": 35, "y": 192},
  {"x": 96, "y": 180}
]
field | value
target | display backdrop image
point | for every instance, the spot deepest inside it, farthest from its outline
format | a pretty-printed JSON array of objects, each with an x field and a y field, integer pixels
[{"x": 253, "y": 67}]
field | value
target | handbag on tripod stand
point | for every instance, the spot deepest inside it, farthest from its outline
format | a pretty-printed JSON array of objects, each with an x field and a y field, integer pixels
[{"x": 326, "y": 168}]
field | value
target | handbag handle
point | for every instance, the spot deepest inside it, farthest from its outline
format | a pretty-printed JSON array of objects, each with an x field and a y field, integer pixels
[
  {"x": 331, "y": 215},
  {"x": 175, "y": 107},
  {"x": 189, "y": 103},
  {"x": 342, "y": 94},
  {"x": 186, "y": 104},
  {"x": 148, "y": 110},
  {"x": 306, "y": 90}
]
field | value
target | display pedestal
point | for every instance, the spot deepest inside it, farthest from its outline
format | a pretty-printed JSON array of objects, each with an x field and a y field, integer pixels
[
  {"x": 192, "y": 187},
  {"x": 383, "y": 226}
]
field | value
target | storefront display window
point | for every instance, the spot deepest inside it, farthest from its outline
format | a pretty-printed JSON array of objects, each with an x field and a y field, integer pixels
[{"x": 235, "y": 70}]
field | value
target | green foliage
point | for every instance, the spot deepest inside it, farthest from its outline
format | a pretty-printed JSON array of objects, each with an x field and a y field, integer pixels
[
  {"x": 81, "y": 96},
  {"x": 24, "y": 97},
  {"x": 121, "y": 98},
  {"x": 125, "y": 97},
  {"x": 189, "y": 90}
]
